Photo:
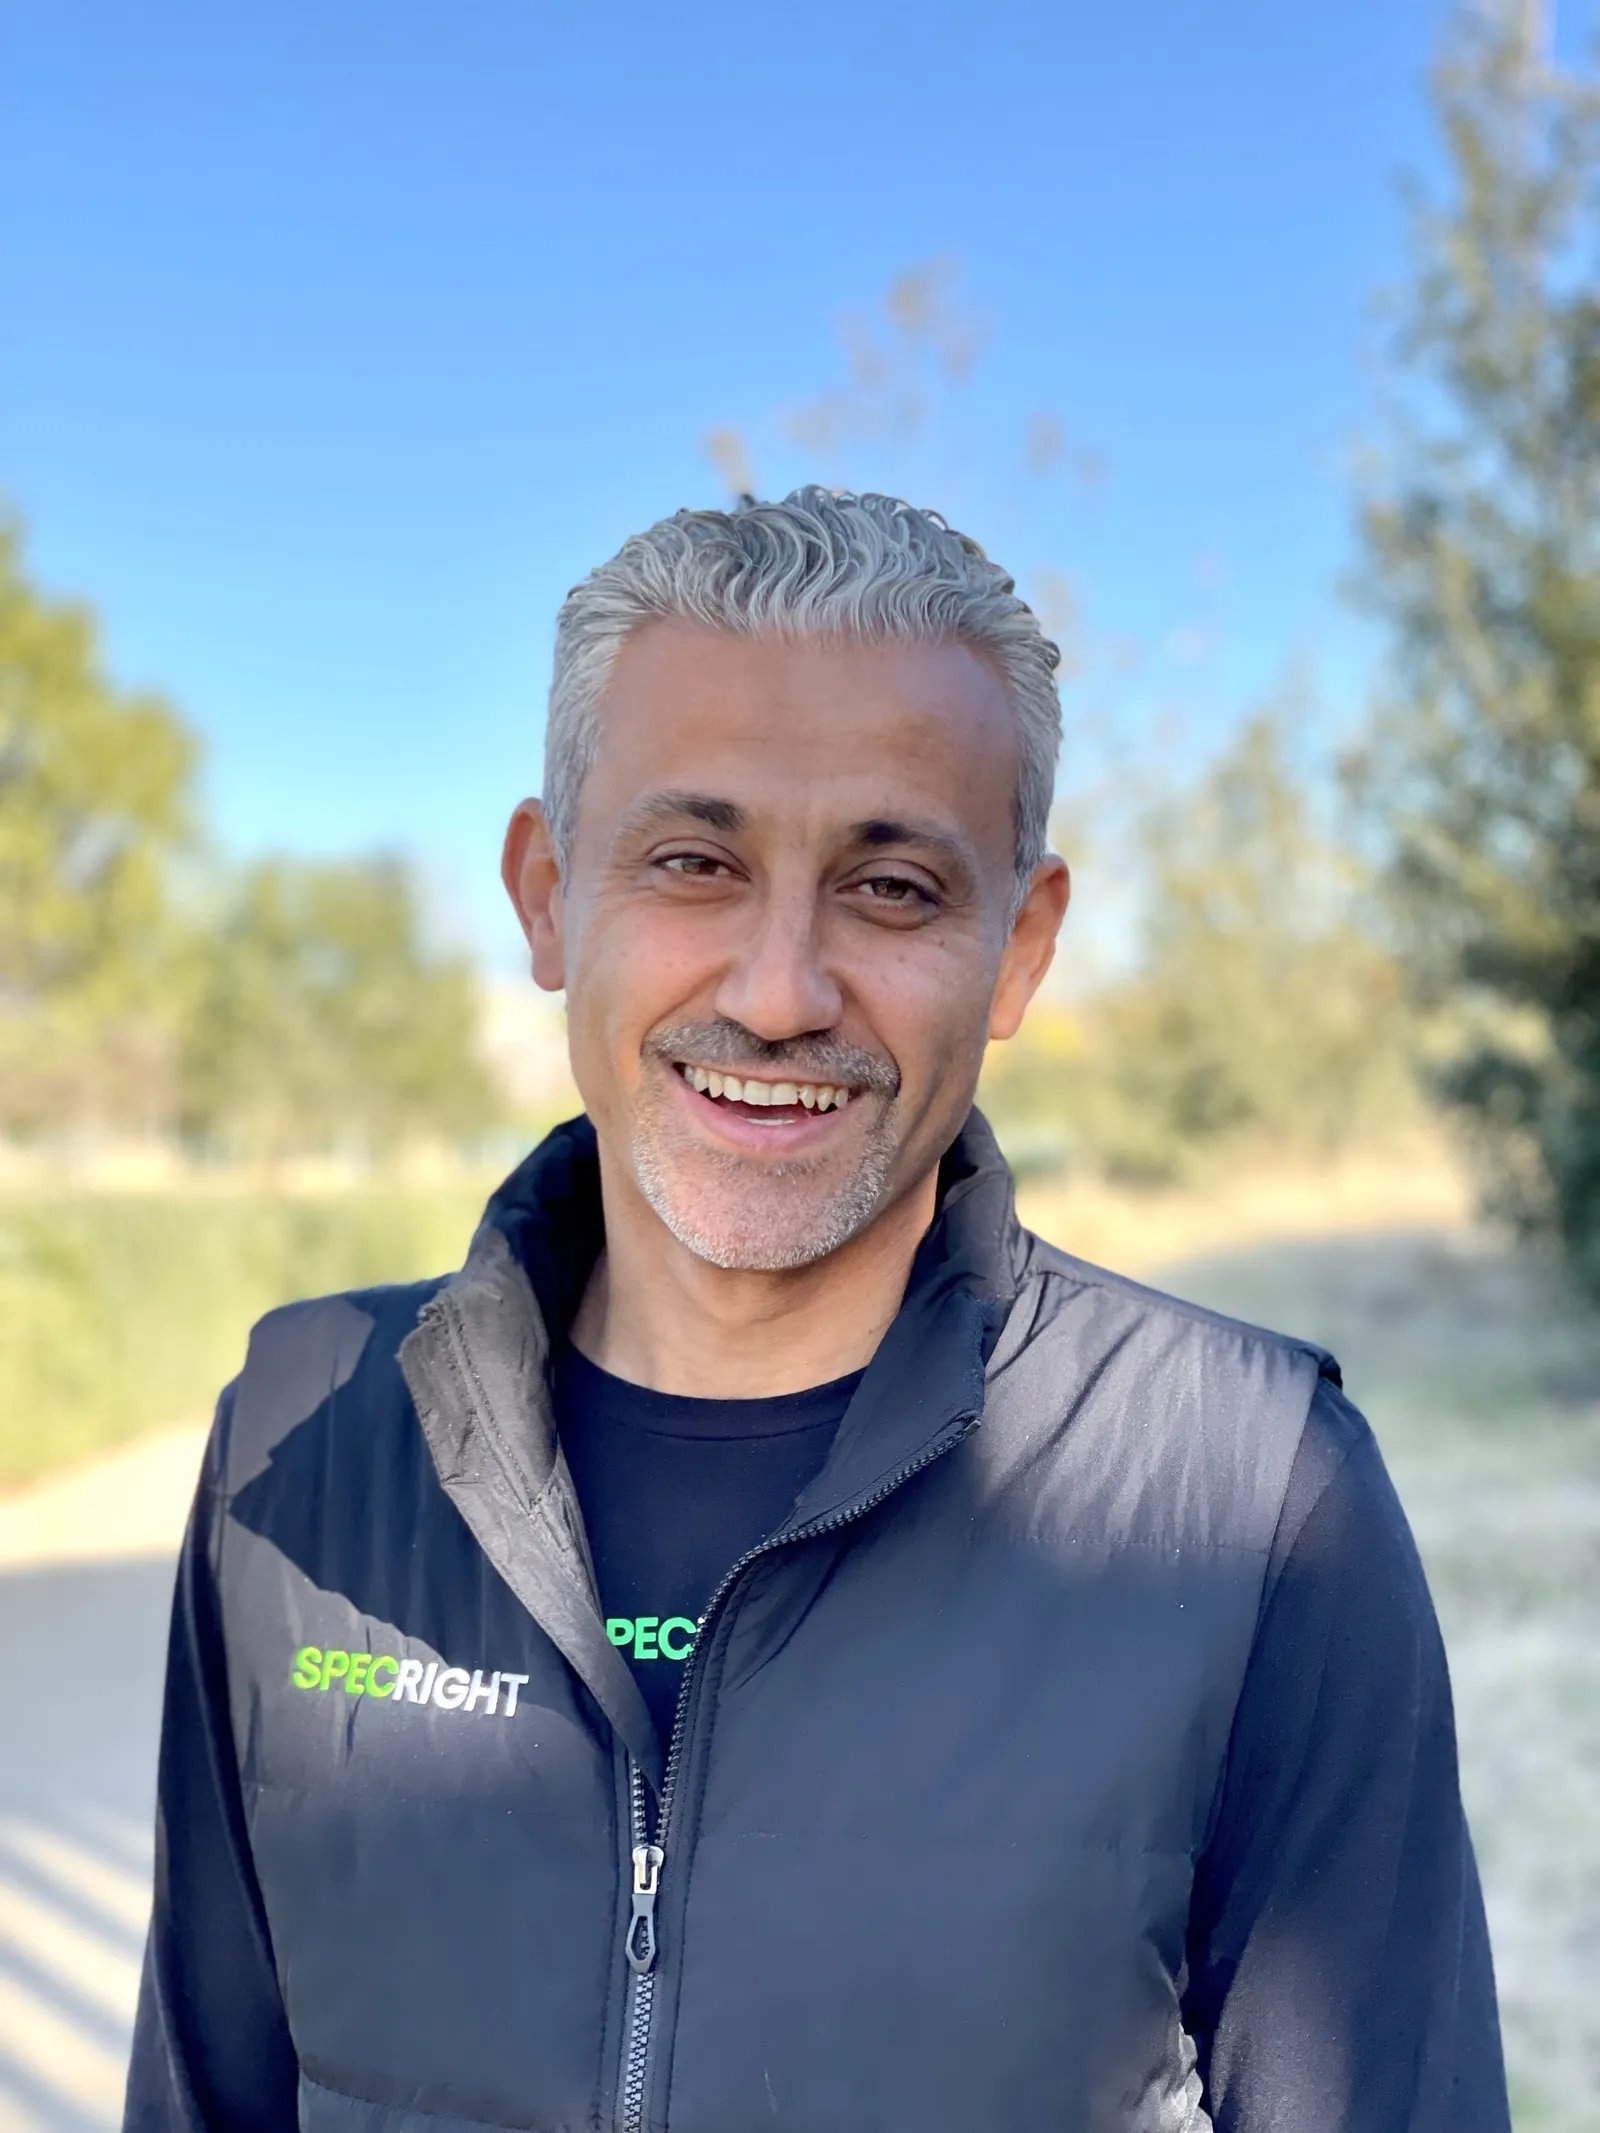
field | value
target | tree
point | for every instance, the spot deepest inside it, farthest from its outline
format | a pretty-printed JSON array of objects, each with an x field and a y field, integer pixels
[
  {"x": 1261, "y": 1007},
  {"x": 1258, "y": 1009},
  {"x": 325, "y": 1020},
  {"x": 1482, "y": 531},
  {"x": 94, "y": 804},
  {"x": 304, "y": 1010}
]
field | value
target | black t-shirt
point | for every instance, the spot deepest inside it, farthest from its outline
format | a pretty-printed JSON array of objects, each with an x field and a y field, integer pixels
[{"x": 673, "y": 1491}]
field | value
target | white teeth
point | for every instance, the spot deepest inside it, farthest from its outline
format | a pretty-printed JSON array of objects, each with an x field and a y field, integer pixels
[{"x": 816, "y": 1096}]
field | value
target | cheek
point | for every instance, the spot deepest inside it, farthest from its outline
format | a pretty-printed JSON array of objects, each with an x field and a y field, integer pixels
[
  {"x": 651, "y": 966},
  {"x": 930, "y": 1007},
  {"x": 630, "y": 971}
]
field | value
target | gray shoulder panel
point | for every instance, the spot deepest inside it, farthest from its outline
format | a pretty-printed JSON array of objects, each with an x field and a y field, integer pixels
[
  {"x": 1051, "y": 1259},
  {"x": 1170, "y": 1426}
]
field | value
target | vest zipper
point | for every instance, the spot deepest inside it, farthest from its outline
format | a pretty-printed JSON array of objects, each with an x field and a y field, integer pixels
[
  {"x": 646, "y": 1858},
  {"x": 646, "y": 1861}
]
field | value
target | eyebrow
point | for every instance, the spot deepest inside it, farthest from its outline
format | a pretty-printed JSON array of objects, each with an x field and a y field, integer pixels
[
  {"x": 954, "y": 851},
  {"x": 658, "y": 810}
]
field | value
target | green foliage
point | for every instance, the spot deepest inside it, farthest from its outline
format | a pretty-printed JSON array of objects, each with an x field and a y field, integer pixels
[
  {"x": 93, "y": 805},
  {"x": 119, "y": 1315},
  {"x": 1258, "y": 1009},
  {"x": 305, "y": 1011},
  {"x": 1483, "y": 533},
  {"x": 322, "y": 1019}
]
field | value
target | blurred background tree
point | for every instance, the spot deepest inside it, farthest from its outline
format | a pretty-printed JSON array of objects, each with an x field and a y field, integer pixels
[
  {"x": 284, "y": 1009},
  {"x": 1482, "y": 529},
  {"x": 1258, "y": 1010},
  {"x": 324, "y": 1019},
  {"x": 95, "y": 805}
]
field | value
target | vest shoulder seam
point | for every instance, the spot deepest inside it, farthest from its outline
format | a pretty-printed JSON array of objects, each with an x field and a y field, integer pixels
[
  {"x": 384, "y": 1296},
  {"x": 1052, "y": 1264}
]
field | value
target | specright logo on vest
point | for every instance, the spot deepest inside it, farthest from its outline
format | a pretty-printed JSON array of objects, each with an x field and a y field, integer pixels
[{"x": 447, "y": 1688}]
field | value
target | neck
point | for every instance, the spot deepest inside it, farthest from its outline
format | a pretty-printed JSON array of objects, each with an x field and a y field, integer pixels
[{"x": 657, "y": 1315}]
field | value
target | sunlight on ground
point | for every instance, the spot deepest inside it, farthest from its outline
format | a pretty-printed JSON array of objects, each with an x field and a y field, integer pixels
[
  {"x": 72, "y": 1912},
  {"x": 81, "y": 1647},
  {"x": 130, "y": 1502},
  {"x": 1416, "y": 1184}
]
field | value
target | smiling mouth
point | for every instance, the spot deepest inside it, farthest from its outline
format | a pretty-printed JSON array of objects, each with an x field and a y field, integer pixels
[{"x": 786, "y": 1098}]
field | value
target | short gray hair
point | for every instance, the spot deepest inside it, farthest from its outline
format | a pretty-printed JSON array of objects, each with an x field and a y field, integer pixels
[{"x": 824, "y": 562}]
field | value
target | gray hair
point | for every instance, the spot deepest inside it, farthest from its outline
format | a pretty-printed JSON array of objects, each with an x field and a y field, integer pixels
[{"x": 826, "y": 563}]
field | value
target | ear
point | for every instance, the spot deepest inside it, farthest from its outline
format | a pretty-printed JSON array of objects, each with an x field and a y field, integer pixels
[
  {"x": 532, "y": 875},
  {"x": 1031, "y": 949}
]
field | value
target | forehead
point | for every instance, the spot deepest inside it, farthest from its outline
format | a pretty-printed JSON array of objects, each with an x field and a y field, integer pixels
[{"x": 809, "y": 728}]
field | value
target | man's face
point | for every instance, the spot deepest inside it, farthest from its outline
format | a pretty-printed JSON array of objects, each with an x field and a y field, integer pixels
[{"x": 791, "y": 867}]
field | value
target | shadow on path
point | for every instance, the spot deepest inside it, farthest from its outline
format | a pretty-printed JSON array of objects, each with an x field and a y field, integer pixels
[{"x": 81, "y": 1652}]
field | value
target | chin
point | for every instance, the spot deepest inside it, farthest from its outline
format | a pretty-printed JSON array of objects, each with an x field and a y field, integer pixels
[
  {"x": 754, "y": 1232},
  {"x": 753, "y": 1255}
]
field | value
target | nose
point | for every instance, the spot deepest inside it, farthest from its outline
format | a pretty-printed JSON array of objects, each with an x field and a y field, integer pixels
[{"x": 780, "y": 985}]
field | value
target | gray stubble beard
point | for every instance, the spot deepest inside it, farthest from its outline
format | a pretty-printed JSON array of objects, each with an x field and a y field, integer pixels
[{"x": 749, "y": 1244}]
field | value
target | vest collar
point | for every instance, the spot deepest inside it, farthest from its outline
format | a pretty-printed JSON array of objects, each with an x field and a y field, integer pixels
[
  {"x": 929, "y": 1367},
  {"x": 478, "y": 1366}
]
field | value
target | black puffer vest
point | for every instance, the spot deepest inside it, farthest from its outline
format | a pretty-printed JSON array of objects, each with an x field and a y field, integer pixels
[{"x": 918, "y": 1858}]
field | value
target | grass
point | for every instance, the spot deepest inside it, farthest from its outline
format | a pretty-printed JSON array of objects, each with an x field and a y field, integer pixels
[{"x": 123, "y": 1313}]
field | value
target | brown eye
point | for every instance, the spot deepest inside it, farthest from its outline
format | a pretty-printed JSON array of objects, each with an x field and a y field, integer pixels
[
  {"x": 690, "y": 866},
  {"x": 896, "y": 890}
]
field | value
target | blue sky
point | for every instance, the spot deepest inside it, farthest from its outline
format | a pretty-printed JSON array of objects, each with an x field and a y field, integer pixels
[{"x": 338, "y": 341}]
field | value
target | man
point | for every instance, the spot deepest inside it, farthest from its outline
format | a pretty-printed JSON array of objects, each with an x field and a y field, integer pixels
[{"x": 770, "y": 1642}]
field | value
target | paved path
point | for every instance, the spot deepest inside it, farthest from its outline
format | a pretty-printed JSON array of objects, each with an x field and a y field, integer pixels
[{"x": 85, "y": 1583}]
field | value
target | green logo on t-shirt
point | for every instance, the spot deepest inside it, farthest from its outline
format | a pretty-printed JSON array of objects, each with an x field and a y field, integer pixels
[{"x": 648, "y": 1637}]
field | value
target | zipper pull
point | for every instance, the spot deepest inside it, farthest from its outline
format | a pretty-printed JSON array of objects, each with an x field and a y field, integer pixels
[{"x": 641, "y": 1941}]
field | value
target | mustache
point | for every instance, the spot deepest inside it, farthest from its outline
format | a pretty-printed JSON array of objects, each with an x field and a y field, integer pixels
[{"x": 818, "y": 1058}]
